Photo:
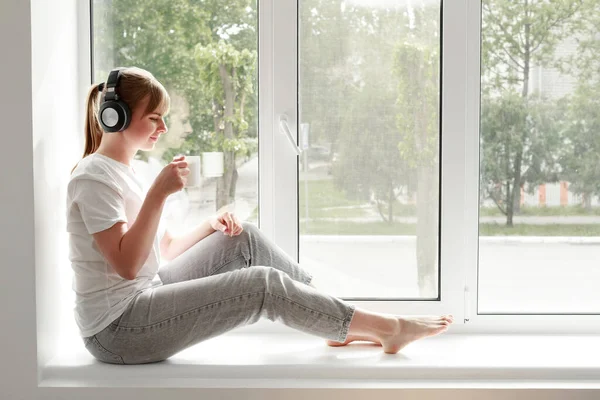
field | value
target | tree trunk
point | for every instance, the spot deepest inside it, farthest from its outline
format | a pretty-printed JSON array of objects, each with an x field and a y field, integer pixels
[
  {"x": 391, "y": 204},
  {"x": 509, "y": 205},
  {"x": 516, "y": 198},
  {"x": 234, "y": 179},
  {"x": 587, "y": 202},
  {"x": 380, "y": 210},
  {"x": 427, "y": 231},
  {"x": 225, "y": 182},
  {"x": 229, "y": 178}
]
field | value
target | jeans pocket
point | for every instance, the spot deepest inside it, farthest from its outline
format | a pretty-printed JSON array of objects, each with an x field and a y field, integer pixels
[
  {"x": 115, "y": 323},
  {"x": 99, "y": 352}
]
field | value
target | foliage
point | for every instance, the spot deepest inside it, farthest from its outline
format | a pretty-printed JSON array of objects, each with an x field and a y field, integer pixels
[
  {"x": 518, "y": 35},
  {"x": 182, "y": 42},
  {"x": 515, "y": 128}
]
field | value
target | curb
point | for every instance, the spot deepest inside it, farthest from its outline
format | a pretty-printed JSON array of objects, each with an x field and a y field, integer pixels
[{"x": 483, "y": 239}]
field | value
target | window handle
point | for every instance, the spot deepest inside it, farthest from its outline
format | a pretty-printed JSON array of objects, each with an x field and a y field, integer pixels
[{"x": 285, "y": 129}]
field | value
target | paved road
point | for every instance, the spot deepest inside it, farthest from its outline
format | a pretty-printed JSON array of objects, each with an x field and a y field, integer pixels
[{"x": 529, "y": 220}]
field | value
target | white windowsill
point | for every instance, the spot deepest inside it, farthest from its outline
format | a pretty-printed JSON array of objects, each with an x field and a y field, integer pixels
[{"x": 297, "y": 360}]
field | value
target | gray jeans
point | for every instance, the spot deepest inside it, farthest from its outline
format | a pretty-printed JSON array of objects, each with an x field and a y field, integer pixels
[{"x": 219, "y": 284}]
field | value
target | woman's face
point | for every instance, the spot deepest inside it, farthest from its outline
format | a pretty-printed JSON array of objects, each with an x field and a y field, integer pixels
[
  {"x": 144, "y": 131},
  {"x": 179, "y": 126}
]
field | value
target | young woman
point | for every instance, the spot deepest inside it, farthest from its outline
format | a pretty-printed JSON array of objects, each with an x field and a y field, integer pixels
[{"x": 222, "y": 275}]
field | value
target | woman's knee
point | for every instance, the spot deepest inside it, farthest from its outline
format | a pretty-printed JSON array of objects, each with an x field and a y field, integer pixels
[
  {"x": 270, "y": 277},
  {"x": 251, "y": 233},
  {"x": 249, "y": 227},
  {"x": 262, "y": 272}
]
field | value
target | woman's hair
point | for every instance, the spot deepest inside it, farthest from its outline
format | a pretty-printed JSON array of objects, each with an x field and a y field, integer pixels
[{"x": 135, "y": 85}]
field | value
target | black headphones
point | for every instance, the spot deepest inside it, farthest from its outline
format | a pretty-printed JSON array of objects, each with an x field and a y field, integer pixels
[{"x": 114, "y": 114}]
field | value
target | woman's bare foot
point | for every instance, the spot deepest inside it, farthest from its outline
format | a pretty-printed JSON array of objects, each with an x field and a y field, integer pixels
[
  {"x": 414, "y": 328},
  {"x": 419, "y": 321},
  {"x": 392, "y": 332},
  {"x": 352, "y": 338},
  {"x": 409, "y": 330}
]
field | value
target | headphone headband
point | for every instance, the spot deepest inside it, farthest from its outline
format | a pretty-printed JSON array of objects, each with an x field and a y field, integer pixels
[{"x": 111, "y": 84}]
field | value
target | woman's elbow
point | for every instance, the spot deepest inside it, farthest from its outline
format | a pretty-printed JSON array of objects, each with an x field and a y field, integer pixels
[
  {"x": 126, "y": 272},
  {"x": 129, "y": 276}
]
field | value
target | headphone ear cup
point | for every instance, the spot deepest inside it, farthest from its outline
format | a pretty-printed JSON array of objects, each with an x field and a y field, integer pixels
[
  {"x": 126, "y": 114},
  {"x": 114, "y": 116}
]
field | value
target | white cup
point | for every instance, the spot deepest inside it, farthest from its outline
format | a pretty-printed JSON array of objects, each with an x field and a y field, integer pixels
[
  {"x": 194, "y": 178},
  {"x": 212, "y": 164}
]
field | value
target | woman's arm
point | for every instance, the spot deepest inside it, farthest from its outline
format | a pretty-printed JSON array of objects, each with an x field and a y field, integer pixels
[
  {"x": 127, "y": 248},
  {"x": 172, "y": 246}
]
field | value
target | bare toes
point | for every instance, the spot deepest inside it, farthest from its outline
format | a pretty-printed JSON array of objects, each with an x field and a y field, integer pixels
[
  {"x": 448, "y": 318},
  {"x": 333, "y": 343}
]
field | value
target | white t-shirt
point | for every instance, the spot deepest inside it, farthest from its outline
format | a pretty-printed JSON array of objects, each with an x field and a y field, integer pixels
[{"x": 102, "y": 192}]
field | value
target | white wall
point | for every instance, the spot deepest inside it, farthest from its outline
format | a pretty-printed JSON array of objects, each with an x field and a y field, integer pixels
[
  {"x": 40, "y": 132},
  {"x": 57, "y": 144},
  {"x": 41, "y": 141},
  {"x": 18, "y": 363}
]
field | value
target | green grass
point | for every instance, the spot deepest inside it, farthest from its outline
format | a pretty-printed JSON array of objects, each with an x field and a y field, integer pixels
[
  {"x": 334, "y": 213},
  {"x": 540, "y": 230},
  {"x": 356, "y": 228},
  {"x": 323, "y": 194},
  {"x": 543, "y": 211},
  {"x": 382, "y": 228},
  {"x": 400, "y": 210},
  {"x": 404, "y": 210},
  {"x": 327, "y": 201}
]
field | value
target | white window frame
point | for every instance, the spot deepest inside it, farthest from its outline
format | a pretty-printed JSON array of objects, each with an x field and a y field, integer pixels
[
  {"x": 285, "y": 208},
  {"x": 278, "y": 171},
  {"x": 489, "y": 322}
]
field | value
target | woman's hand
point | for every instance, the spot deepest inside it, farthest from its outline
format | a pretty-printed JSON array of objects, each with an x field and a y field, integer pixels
[
  {"x": 227, "y": 223},
  {"x": 172, "y": 178}
]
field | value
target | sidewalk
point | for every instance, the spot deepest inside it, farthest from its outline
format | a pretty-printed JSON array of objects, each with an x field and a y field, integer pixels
[
  {"x": 530, "y": 220},
  {"x": 380, "y": 239}
]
